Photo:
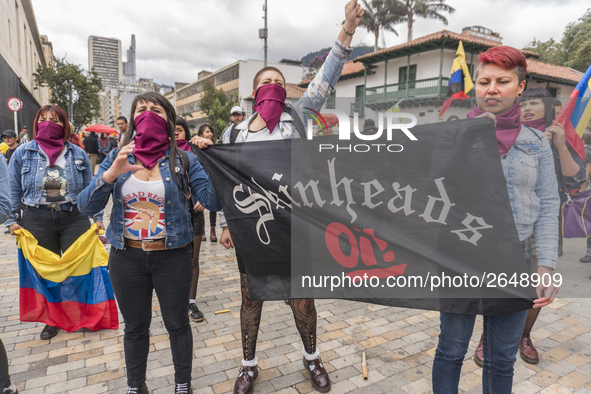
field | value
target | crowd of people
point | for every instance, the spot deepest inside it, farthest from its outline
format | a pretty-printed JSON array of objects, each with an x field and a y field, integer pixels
[{"x": 159, "y": 191}]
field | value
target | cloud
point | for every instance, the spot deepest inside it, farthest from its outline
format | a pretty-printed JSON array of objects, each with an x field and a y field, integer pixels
[{"x": 176, "y": 39}]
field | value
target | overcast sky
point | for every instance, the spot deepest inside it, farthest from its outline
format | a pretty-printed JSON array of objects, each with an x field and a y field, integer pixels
[{"x": 175, "y": 39}]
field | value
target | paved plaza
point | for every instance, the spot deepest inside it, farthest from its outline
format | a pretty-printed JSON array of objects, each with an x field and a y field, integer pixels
[{"x": 399, "y": 343}]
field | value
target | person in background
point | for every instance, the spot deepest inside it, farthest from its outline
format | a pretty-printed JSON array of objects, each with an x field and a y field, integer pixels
[
  {"x": 91, "y": 148},
  {"x": 10, "y": 137},
  {"x": 206, "y": 131},
  {"x": 5, "y": 386},
  {"x": 122, "y": 126},
  {"x": 557, "y": 106},
  {"x": 46, "y": 178},
  {"x": 453, "y": 117},
  {"x": 104, "y": 147},
  {"x": 587, "y": 140},
  {"x": 181, "y": 136},
  {"x": 24, "y": 136}
]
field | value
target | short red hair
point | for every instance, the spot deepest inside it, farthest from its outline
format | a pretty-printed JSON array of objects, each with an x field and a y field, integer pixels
[
  {"x": 506, "y": 57},
  {"x": 57, "y": 112}
]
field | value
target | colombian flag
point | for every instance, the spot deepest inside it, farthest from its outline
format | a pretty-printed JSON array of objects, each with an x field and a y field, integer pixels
[
  {"x": 70, "y": 292},
  {"x": 460, "y": 82},
  {"x": 576, "y": 114}
]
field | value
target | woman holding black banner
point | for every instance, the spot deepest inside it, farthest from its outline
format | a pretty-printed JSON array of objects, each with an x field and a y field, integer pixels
[
  {"x": 528, "y": 166},
  {"x": 270, "y": 122},
  {"x": 538, "y": 112},
  {"x": 152, "y": 183}
]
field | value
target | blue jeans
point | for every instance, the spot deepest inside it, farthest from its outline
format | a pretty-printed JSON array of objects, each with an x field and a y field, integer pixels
[
  {"x": 134, "y": 275},
  {"x": 500, "y": 339}
]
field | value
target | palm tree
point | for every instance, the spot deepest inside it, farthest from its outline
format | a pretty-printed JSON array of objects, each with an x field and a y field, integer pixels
[
  {"x": 380, "y": 15},
  {"x": 428, "y": 9}
]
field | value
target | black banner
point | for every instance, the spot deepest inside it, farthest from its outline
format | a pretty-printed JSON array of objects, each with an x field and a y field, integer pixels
[{"x": 422, "y": 223}]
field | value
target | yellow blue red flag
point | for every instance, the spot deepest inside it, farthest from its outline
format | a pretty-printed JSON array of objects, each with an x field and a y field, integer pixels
[
  {"x": 71, "y": 291},
  {"x": 460, "y": 82}
]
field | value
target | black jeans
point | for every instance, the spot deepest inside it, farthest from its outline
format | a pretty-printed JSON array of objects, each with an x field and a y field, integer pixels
[
  {"x": 54, "y": 230},
  {"x": 134, "y": 274}
]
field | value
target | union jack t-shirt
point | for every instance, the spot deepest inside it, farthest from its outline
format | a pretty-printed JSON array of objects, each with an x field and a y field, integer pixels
[{"x": 144, "y": 209}]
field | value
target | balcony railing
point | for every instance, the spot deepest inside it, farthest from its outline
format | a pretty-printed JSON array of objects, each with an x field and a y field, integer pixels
[{"x": 420, "y": 87}]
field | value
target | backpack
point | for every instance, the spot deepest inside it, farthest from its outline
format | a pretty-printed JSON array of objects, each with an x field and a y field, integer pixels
[{"x": 296, "y": 122}]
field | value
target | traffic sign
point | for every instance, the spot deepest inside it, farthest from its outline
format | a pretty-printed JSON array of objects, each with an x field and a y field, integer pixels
[{"x": 14, "y": 104}]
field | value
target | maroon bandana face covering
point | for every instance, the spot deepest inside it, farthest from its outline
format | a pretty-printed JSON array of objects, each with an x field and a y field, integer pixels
[
  {"x": 151, "y": 138},
  {"x": 539, "y": 124},
  {"x": 507, "y": 128},
  {"x": 50, "y": 137},
  {"x": 183, "y": 144},
  {"x": 269, "y": 102}
]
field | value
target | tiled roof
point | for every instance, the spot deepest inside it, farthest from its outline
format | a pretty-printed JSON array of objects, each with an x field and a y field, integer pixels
[
  {"x": 294, "y": 91},
  {"x": 350, "y": 69},
  {"x": 443, "y": 34},
  {"x": 537, "y": 67}
]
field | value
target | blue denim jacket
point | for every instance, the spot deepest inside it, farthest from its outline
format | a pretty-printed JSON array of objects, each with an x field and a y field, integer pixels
[
  {"x": 4, "y": 191},
  {"x": 533, "y": 191},
  {"x": 27, "y": 166},
  {"x": 179, "y": 228}
]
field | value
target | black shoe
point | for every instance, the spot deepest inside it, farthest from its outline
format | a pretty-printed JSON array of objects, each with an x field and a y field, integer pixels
[
  {"x": 183, "y": 388},
  {"x": 49, "y": 332},
  {"x": 138, "y": 390},
  {"x": 10, "y": 390},
  {"x": 585, "y": 259},
  {"x": 194, "y": 313}
]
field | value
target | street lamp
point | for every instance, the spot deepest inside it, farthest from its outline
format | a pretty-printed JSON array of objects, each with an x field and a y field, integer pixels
[{"x": 70, "y": 104}]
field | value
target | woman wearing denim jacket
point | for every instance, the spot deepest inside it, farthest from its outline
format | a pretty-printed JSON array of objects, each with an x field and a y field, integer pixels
[
  {"x": 46, "y": 177},
  {"x": 528, "y": 166},
  {"x": 152, "y": 183}
]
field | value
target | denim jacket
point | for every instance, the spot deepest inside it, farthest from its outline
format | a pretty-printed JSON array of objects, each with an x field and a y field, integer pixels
[
  {"x": 533, "y": 191},
  {"x": 4, "y": 191},
  {"x": 179, "y": 228},
  {"x": 27, "y": 167},
  {"x": 314, "y": 97}
]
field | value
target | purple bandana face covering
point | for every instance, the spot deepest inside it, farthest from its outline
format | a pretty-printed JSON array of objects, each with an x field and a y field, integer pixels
[
  {"x": 507, "y": 128},
  {"x": 539, "y": 124},
  {"x": 183, "y": 144},
  {"x": 269, "y": 102},
  {"x": 151, "y": 139},
  {"x": 50, "y": 137}
]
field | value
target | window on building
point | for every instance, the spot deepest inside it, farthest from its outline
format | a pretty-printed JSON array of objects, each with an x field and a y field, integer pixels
[
  {"x": 412, "y": 75},
  {"x": 330, "y": 103},
  {"x": 553, "y": 91}
]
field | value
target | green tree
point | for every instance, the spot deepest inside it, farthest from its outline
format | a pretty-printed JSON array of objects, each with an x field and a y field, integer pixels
[
  {"x": 428, "y": 9},
  {"x": 217, "y": 105},
  {"x": 576, "y": 42},
  {"x": 381, "y": 15},
  {"x": 85, "y": 89},
  {"x": 550, "y": 51}
]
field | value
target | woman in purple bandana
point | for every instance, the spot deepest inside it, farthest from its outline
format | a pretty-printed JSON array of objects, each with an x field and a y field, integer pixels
[
  {"x": 528, "y": 166},
  {"x": 268, "y": 123},
  {"x": 152, "y": 182},
  {"x": 46, "y": 178},
  {"x": 538, "y": 112}
]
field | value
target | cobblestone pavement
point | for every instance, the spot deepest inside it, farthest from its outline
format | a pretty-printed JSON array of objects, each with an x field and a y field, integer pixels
[{"x": 399, "y": 343}]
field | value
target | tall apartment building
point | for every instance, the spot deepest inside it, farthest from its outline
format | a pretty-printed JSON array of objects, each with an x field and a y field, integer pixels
[
  {"x": 47, "y": 50},
  {"x": 104, "y": 54},
  {"x": 21, "y": 51},
  {"x": 129, "y": 66}
]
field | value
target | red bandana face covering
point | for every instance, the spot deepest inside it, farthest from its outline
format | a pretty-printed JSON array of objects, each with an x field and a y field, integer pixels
[
  {"x": 269, "y": 102},
  {"x": 539, "y": 124},
  {"x": 151, "y": 138},
  {"x": 50, "y": 137},
  {"x": 183, "y": 144}
]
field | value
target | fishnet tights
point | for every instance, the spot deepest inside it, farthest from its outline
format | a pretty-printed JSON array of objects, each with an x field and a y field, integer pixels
[{"x": 304, "y": 313}]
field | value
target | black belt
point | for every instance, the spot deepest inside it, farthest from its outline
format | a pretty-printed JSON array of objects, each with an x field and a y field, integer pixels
[{"x": 54, "y": 206}]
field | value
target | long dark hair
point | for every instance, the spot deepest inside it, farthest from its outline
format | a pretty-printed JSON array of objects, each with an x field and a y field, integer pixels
[
  {"x": 183, "y": 123},
  {"x": 157, "y": 98},
  {"x": 547, "y": 99},
  {"x": 202, "y": 129}
]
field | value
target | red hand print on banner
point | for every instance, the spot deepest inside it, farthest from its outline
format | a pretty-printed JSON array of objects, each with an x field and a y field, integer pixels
[{"x": 363, "y": 247}]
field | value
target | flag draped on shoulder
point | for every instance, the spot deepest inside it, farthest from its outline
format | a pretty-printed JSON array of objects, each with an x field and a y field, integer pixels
[
  {"x": 70, "y": 292},
  {"x": 576, "y": 114},
  {"x": 460, "y": 82}
]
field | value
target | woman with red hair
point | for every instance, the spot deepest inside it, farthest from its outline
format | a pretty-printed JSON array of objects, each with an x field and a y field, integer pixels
[
  {"x": 46, "y": 176},
  {"x": 528, "y": 166}
]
